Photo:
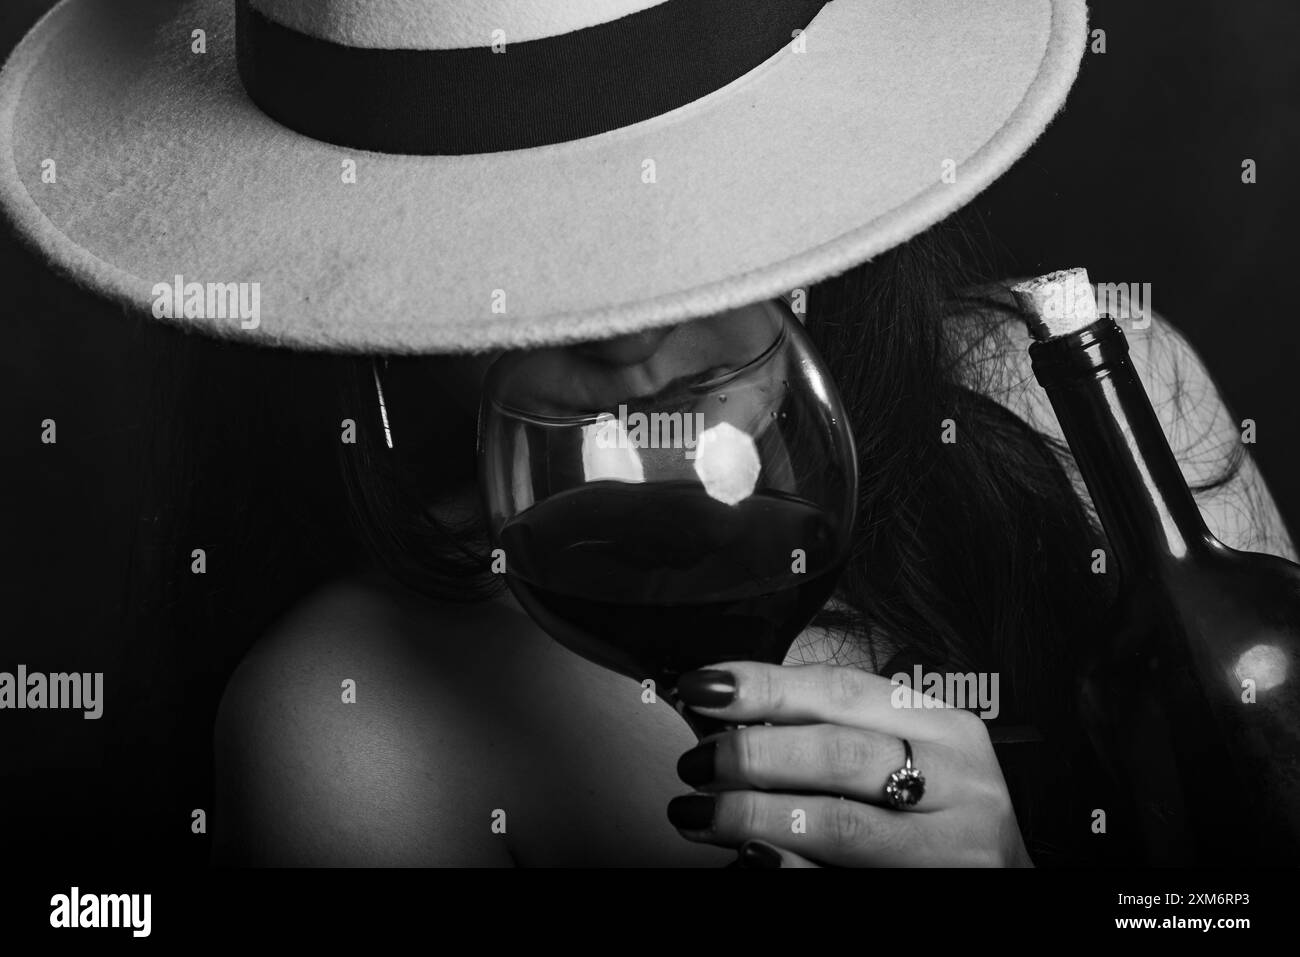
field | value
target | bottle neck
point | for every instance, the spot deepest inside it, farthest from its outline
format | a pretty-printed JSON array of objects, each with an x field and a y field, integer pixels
[{"x": 1136, "y": 485}]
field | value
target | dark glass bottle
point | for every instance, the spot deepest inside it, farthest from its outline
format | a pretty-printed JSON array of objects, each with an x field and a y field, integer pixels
[{"x": 1193, "y": 697}]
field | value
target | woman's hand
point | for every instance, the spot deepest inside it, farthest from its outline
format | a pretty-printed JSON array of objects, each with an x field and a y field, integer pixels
[{"x": 811, "y": 784}]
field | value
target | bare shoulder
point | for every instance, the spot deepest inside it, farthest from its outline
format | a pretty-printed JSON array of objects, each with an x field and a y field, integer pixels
[
  {"x": 377, "y": 727},
  {"x": 333, "y": 747},
  {"x": 1206, "y": 437}
]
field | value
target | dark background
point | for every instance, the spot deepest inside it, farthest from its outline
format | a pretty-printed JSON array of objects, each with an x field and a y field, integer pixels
[{"x": 1140, "y": 181}]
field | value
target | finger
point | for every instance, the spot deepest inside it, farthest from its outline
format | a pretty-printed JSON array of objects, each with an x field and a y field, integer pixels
[
  {"x": 758, "y": 855},
  {"x": 828, "y": 830},
  {"x": 825, "y": 758},
  {"x": 747, "y": 692}
]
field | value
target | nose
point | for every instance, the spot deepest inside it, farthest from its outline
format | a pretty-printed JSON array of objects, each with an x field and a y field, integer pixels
[{"x": 627, "y": 350}]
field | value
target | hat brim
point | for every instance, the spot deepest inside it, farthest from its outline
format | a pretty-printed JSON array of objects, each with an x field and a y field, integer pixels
[{"x": 891, "y": 117}]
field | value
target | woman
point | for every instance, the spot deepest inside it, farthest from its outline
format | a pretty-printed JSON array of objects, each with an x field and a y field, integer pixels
[
  {"x": 385, "y": 719},
  {"x": 465, "y": 710}
]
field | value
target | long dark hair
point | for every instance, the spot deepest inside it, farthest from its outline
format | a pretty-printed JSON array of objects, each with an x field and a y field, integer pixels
[{"x": 969, "y": 556}]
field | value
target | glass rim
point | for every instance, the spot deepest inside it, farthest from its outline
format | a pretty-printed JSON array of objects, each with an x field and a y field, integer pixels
[{"x": 784, "y": 314}]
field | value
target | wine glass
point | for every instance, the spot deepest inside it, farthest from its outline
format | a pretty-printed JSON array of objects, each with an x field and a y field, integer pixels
[{"x": 663, "y": 508}]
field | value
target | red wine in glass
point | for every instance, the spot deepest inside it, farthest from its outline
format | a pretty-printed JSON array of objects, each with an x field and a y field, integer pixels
[{"x": 608, "y": 577}]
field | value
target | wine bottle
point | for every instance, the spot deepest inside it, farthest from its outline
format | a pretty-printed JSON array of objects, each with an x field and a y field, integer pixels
[{"x": 1192, "y": 699}]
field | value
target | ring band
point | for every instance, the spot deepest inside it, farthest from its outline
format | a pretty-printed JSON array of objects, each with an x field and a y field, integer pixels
[{"x": 906, "y": 786}]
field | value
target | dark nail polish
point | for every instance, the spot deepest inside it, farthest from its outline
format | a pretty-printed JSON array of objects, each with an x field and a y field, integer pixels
[
  {"x": 754, "y": 856},
  {"x": 692, "y": 812},
  {"x": 708, "y": 689},
  {"x": 696, "y": 766}
]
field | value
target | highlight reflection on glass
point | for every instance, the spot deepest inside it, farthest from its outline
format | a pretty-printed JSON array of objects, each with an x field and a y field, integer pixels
[{"x": 1265, "y": 665}]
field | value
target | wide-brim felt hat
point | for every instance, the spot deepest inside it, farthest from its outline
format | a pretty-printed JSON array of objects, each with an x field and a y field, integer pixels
[{"x": 411, "y": 176}]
